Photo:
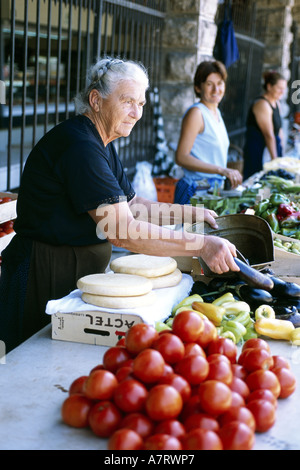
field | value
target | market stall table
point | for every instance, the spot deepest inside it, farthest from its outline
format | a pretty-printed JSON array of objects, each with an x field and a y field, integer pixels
[{"x": 36, "y": 376}]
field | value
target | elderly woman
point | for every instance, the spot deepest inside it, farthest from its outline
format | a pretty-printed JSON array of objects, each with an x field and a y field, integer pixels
[{"x": 75, "y": 201}]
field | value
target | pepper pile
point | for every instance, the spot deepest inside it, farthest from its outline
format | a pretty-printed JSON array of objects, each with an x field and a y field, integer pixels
[{"x": 282, "y": 214}]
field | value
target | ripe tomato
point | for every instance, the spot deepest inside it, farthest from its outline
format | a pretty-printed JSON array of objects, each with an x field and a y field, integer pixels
[
  {"x": 125, "y": 372},
  {"x": 75, "y": 410},
  {"x": 255, "y": 358},
  {"x": 208, "y": 334},
  {"x": 241, "y": 414},
  {"x": 201, "y": 439},
  {"x": 279, "y": 361},
  {"x": 114, "y": 358},
  {"x": 130, "y": 395},
  {"x": 237, "y": 399},
  {"x": 170, "y": 346},
  {"x": 239, "y": 371},
  {"x": 100, "y": 385},
  {"x": 264, "y": 414},
  {"x": 263, "y": 379},
  {"x": 149, "y": 366},
  {"x": 220, "y": 369},
  {"x": 193, "y": 348},
  {"x": 188, "y": 325},
  {"x": 223, "y": 346},
  {"x": 237, "y": 436},
  {"x": 215, "y": 397},
  {"x": 238, "y": 385},
  {"x": 125, "y": 439},
  {"x": 104, "y": 418},
  {"x": 180, "y": 383},
  {"x": 201, "y": 420},
  {"x": 172, "y": 427},
  {"x": 287, "y": 381},
  {"x": 217, "y": 356},
  {"x": 163, "y": 402},
  {"x": 139, "y": 337},
  {"x": 138, "y": 422},
  {"x": 77, "y": 385},
  {"x": 256, "y": 343},
  {"x": 263, "y": 393},
  {"x": 6, "y": 199},
  {"x": 194, "y": 369},
  {"x": 162, "y": 442},
  {"x": 191, "y": 407}
]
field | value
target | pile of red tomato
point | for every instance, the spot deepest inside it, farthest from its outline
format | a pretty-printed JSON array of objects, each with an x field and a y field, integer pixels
[
  {"x": 6, "y": 228},
  {"x": 184, "y": 389}
]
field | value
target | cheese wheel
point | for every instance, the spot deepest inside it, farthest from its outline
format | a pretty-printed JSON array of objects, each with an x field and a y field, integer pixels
[
  {"x": 119, "y": 302},
  {"x": 114, "y": 284},
  {"x": 144, "y": 265},
  {"x": 169, "y": 280}
]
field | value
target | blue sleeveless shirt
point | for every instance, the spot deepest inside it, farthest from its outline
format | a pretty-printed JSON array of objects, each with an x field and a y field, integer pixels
[{"x": 211, "y": 146}]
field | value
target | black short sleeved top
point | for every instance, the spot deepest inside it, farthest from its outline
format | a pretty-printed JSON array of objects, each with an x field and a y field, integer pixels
[{"x": 68, "y": 173}]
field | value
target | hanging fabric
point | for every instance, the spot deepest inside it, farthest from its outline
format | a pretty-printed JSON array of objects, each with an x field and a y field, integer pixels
[{"x": 226, "y": 48}]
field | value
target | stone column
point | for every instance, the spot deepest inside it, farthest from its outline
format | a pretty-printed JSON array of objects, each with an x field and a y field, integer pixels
[{"x": 188, "y": 38}]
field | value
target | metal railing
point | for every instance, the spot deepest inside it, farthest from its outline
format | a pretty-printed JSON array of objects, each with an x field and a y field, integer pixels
[{"x": 47, "y": 47}]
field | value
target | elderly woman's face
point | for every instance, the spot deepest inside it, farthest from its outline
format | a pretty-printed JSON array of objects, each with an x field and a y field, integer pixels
[{"x": 122, "y": 109}]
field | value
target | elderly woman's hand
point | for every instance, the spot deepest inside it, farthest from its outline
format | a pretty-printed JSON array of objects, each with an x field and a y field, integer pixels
[{"x": 218, "y": 254}]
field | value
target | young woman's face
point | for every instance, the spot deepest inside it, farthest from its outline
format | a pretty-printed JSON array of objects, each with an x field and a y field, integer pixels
[
  {"x": 278, "y": 89},
  {"x": 213, "y": 89}
]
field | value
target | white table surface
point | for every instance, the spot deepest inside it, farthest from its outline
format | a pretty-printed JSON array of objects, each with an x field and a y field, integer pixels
[{"x": 36, "y": 376}]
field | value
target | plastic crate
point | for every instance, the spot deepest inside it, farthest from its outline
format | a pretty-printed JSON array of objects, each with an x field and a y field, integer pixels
[{"x": 165, "y": 187}]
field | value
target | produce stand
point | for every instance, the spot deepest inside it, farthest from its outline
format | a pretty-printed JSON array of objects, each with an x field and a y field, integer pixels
[{"x": 36, "y": 376}]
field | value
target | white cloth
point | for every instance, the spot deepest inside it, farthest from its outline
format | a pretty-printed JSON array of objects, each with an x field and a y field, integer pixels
[{"x": 161, "y": 309}]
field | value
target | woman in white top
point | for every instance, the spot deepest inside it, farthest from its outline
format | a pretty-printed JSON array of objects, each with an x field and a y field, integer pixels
[{"x": 203, "y": 144}]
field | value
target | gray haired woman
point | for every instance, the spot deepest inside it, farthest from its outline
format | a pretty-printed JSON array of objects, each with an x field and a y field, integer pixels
[{"x": 75, "y": 201}]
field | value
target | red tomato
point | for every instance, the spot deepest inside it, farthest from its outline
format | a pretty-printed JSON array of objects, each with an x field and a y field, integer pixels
[
  {"x": 172, "y": 427},
  {"x": 287, "y": 381},
  {"x": 223, "y": 346},
  {"x": 220, "y": 369},
  {"x": 162, "y": 442},
  {"x": 97, "y": 367},
  {"x": 238, "y": 385},
  {"x": 75, "y": 410},
  {"x": 125, "y": 372},
  {"x": 100, "y": 385},
  {"x": 188, "y": 325},
  {"x": 279, "y": 361},
  {"x": 237, "y": 436},
  {"x": 263, "y": 393},
  {"x": 3, "y": 234},
  {"x": 237, "y": 399},
  {"x": 138, "y": 422},
  {"x": 139, "y": 337},
  {"x": 218, "y": 357},
  {"x": 255, "y": 358},
  {"x": 264, "y": 414},
  {"x": 104, "y": 418},
  {"x": 121, "y": 342},
  {"x": 191, "y": 407},
  {"x": 239, "y": 371},
  {"x": 130, "y": 395},
  {"x": 194, "y": 369},
  {"x": 163, "y": 402},
  {"x": 114, "y": 358},
  {"x": 256, "y": 343},
  {"x": 180, "y": 383},
  {"x": 77, "y": 384},
  {"x": 201, "y": 420},
  {"x": 215, "y": 397},
  {"x": 170, "y": 346},
  {"x": 149, "y": 366},
  {"x": 6, "y": 199},
  {"x": 168, "y": 370},
  {"x": 208, "y": 334},
  {"x": 263, "y": 379},
  {"x": 193, "y": 348},
  {"x": 241, "y": 414},
  {"x": 125, "y": 439},
  {"x": 201, "y": 439}
]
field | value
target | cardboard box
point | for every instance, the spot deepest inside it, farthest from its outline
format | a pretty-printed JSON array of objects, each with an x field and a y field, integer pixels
[
  {"x": 8, "y": 210},
  {"x": 92, "y": 327},
  {"x": 286, "y": 263}
]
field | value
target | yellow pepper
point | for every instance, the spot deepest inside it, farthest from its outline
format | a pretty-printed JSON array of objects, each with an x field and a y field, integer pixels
[
  {"x": 213, "y": 312},
  {"x": 264, "y": 311},
  {"x": 187, "y": 307},
  {"x": 187, "y": 301},
  {"x": 295, "y": 337},
  {"x": 274, "y": 328},
  {"x": 236, "y": 307},
  {"x": 228, "y": 297}
]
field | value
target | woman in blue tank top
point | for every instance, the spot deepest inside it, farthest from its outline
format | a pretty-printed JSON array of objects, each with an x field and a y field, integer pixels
[
  {"x": 203, "y": 144},
  {"x": 264, "y": 125}
]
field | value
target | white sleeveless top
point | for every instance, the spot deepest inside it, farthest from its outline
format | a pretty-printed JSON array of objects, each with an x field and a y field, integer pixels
[{"x": 211, "y": 146}]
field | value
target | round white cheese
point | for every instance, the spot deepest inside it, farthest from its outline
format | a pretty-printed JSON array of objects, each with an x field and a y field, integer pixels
[
  {"x": 120, "y": 302},
  {"x": 114, "y": 284},
  {"x": 144, "y": 265},
  {"x": 169, "y": 280}
]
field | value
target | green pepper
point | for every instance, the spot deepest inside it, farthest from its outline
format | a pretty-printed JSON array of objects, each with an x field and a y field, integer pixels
[
  {"x": 250, "y": 333},
  {"x": 236, "y": 328},
  {"x": 289, "y": 232},
  {"x": 273, "y": 222},
  {"x": 278, "y": 198},
  {"x": 261, "y": 206},
  {"x": 243, "y": 318}
]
